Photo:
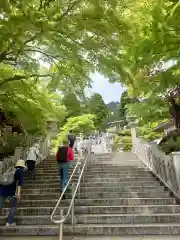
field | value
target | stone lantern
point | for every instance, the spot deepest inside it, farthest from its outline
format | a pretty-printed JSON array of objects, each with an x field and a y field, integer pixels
[
  {"x": 52, "y": 126},
  {"x": 132, "y": 123}
]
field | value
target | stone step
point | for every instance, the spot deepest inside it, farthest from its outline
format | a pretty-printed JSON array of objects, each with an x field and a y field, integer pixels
[
  {"x": 94, "y": 189},
  {"x": 55, "y": 163},
  {"x": 116, "y": 169},
  {"x": 101, "y": 175},
  {"x": 102, "y": 178},
  {"x": 116, "y": 164},
  {"x": 116, "y": 181},
  {"x": 124, "y": 209},
  {"x": 122, "y": 189},
  {"x": 154, "y": 237},
  {"x": 127, "y": 209},
  {"x": 124, "y": 194},
  {"x": 126, "y": 219},
  {"x": 95, "y": 195},
  {"x": 97, "y": 164},
  {"x": 95, "y": 184},
  {"x": 110, "y": 172},
  {"x": 104, "y": 202},
  {"x": 100, "y": 219},
  {"x": 132, "y": 163},
  {"x": 119, "y": 163},
  {"x": 96, "y": 168},
  {"x": 122, "y": 183},
  {"x": 48, "y": 177},
  {"x": 96, "y": 171},
  {"x": 51, "y": 168},
  {"x": 123, "y": 167},
  {"x": 94, "y": 229}
]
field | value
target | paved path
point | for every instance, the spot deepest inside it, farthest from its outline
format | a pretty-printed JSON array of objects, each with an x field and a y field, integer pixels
[{"x": 99, "y": 148}]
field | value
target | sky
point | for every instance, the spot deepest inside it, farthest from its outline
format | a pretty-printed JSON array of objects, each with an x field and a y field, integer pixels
[
  {"x": 112, "y": 91},
  {"x": 109, "y": 91}
]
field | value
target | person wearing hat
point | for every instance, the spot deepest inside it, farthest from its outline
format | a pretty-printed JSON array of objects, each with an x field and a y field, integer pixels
[
  {"x": 32, "y": 156},
  {"x": 12, "y": 192}
]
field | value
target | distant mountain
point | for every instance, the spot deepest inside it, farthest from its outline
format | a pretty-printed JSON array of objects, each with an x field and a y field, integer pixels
[{"x": 112, "y": 106}]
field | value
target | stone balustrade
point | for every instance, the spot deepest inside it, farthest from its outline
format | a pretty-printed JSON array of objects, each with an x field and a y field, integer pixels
[
  {"x": 166, "y": 167},
  {"x": 21, "y": 153},
  {"x": 24, "y": 142}
]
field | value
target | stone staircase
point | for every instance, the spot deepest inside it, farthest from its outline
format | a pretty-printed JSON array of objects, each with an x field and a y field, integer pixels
[{"x": 119, "y": 197}]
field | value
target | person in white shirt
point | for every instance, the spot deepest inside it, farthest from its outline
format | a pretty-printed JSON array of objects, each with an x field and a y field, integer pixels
[{"x": 33, "y": 154}]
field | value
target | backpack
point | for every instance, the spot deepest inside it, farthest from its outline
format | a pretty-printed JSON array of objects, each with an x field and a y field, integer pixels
[
  {"x": 8, "y": 177},
  {"x": 62, "y": 154}
]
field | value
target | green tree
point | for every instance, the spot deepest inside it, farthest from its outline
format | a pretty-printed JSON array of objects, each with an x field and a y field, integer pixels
[
  {"x": 125, "y": 100},
  {"x": 80, "y": 124},
  {"x": 148, "y": 64},
  {"x": 111, "y": 117},
  {"x": 98, "y": 108},
  {"x": 32, "y": 106},
  {"x": 72, "y": 104},
  {"x": 57, "y": 41},
  {"x": 151, "y": 109},
  {"x": 146, "y": 131}
]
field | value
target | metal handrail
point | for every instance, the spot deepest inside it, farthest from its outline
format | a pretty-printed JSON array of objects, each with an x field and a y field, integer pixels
[{"x": 63, "y": 218}]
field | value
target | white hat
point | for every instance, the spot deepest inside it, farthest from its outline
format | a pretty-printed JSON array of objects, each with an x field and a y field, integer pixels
[
  {"x": 37, "y": 145},
  {"x": 20, "y": 163}
]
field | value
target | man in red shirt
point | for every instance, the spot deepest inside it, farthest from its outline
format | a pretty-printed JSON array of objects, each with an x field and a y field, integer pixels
[{"x": 63, "y": 156}]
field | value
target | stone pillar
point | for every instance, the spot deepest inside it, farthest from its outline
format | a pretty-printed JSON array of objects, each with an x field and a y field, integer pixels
[
  {"x": 176, "y": 164},
  {"x": 133, "y": 135},
  {"x": 17, "y": 154},
  {"x": 1, "y": 167}
]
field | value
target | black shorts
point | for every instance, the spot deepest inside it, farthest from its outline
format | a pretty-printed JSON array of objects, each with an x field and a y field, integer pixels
[{"x": 30, "y": 165}]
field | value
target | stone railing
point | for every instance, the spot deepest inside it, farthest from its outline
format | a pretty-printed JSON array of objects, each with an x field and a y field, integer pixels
[
  {"x": 166, "y": 167},
  {"x": 22, "y": 142},
  {"x": 21, "y": 153}
]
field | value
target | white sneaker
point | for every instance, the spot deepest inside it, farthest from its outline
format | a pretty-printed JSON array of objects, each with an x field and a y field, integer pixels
[{"x": 10, "y": 224}]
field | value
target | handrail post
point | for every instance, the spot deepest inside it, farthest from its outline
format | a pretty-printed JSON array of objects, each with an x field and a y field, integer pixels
[
  {"x": 61, "y": 226},
  {"x": 79, "y": 189},
  {"x": 86, "y": 161},
  {"x": 72, "y": 209},
  {"x": 83, "y": 178}
]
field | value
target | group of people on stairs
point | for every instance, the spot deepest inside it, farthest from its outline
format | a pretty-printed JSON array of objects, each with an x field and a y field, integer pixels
[{"x": 11, "y": 182}]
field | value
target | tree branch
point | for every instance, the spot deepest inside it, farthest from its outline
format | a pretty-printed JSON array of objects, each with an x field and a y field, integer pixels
[
  {"x": 43, "y": 53},
  {"x": 68, "y": 36},
  {"x": 30, "y": 40},
  {"x": 68, "y": 10},
  {"x": 20, "y": 77}
]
